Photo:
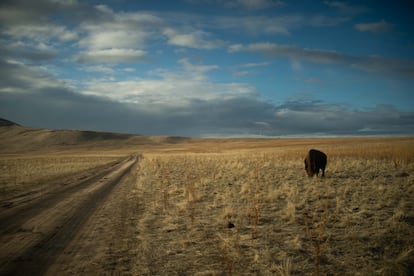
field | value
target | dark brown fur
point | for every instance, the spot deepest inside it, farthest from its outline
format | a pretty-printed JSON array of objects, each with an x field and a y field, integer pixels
[{"x": 315, "y": 161}]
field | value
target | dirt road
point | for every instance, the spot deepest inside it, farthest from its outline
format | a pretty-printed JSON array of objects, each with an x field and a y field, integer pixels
[{"x": 71, "y": 228}]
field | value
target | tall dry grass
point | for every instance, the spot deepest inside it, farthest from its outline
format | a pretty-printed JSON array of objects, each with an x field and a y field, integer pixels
[
  {"x": 27, "y": 171},
  {"x": 248, "y": 208},
  {"x": 256, "y": 212}
]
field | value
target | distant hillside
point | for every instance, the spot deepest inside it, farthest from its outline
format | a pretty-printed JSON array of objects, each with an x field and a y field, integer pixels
[
  {"x": 17, "y": 138},
  {"x": 4, "y": 122}
]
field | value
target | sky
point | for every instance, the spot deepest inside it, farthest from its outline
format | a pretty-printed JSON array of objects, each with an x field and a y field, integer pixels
[{"x": 209, "y": 68}]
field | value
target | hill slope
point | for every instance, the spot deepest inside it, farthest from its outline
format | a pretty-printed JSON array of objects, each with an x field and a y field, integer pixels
[
  {"x": 4, "y": 122},
  {"x": 17, "y": 138}
]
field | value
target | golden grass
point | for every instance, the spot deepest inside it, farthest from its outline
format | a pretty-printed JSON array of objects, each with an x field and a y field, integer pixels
[
  {"x": 253, "y": 211},
  {"x": 247, "y": 207},
  {"x": 18, "y": 172}
]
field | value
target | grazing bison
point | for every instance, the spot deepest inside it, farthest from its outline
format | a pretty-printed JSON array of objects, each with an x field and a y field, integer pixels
[{"x": 314, "y": 161}]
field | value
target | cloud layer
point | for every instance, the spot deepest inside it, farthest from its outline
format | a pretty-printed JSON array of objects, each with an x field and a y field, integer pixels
[
  {"x": 397, "y": 66},
  {"x": 374, "y": 27},
  {"x": 74, "y": 65},
  {"x": 42, "y": 101}
]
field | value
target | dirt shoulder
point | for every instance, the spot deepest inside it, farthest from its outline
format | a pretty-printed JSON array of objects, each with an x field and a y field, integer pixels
[{"x": 35, "y": 232}]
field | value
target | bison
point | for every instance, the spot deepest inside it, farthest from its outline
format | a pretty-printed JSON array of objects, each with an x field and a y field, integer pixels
[{"x": 315, "y": 161}]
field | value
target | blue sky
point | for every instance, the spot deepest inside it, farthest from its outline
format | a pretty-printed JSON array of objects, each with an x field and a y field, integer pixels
[{"x": 209, "y": 67}]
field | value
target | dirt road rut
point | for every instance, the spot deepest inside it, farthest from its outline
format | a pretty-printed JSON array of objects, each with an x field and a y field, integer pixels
[{"x": 43, "y": 234}]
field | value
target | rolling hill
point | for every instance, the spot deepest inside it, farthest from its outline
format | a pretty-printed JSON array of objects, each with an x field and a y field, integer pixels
[
  {"x": 4, "y": 122},
  {"x": 17, "y": 138}
]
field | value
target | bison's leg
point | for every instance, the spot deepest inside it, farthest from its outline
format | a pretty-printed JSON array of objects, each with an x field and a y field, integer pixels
[
  {"x": 308, "y": 167},
  {"x": 323, "y": 172},
  {"x": 315, "y": 169}
]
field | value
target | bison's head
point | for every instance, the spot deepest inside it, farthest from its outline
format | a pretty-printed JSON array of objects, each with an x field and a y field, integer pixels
[{"x": 308, "y": 168}]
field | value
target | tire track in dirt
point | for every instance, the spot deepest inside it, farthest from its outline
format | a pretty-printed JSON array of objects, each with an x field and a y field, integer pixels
[
  {"x": 28, "y": 204},
  {"x": 108, "y": 242},
  {"x": 44, "y": 228}
]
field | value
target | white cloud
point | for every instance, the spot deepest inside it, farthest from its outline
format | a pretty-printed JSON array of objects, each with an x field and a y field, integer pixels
[
  {"x": 272, "y": 25},
  {"x": 264, "y": 124},
  {"x": 104, "y": 38},
  {"x": 135, "y": 30},
  {"x": 321, "y": 118},
  {"x": 254, "y": 4},
  {"x": 120, "y": 30},
  {"x": 256, "y": 25},
  {"x": 292, "y": 52},
  {"x": 242, "y": 73},
  {"x": 110, "y": 56},
  {"x": 17, "y": 77},
  {"x": 402, "y": 67},
  {"x": 399, "y": 67},
  {"x": 196, "y": 68},
  {"x": 248, "y": 69},
  {"x": 244, "y": 4},
  {"x": 183, "y": 98},
  {"x": 170, "y": 87},
  {"x": 256, "y": 64},
  {"x": 296, "y": 65},
  {"x": 104, "y": 9},
  {"x": 312, "y": 80},
  {"x": 99, "y": 69},
  {"x": 129, "y": 69},
  {"x": 177, "y": 104},
  {"x": 193, "y": 39},
  {"x": 28, "y": 19},
  {"x": 168, "y": 92},
  {"x": 374, "y": 27},
  {"x": 345, "y": 8},
  {"x": 235, "y": 48},
  {"x": 41, "y": 32},
  {"x": 28, "y": 50},
  {"x": 326, "y": 21}
]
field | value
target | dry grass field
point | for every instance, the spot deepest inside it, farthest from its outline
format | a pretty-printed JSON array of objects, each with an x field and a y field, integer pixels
[
  {"x": 253, "y": 210},
  {"x": 247, "y": 207},
  {"x": 22, "y": 171}
]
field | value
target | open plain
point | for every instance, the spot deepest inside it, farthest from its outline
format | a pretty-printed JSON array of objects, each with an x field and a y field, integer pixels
[{"x": 90, "y": 204}]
